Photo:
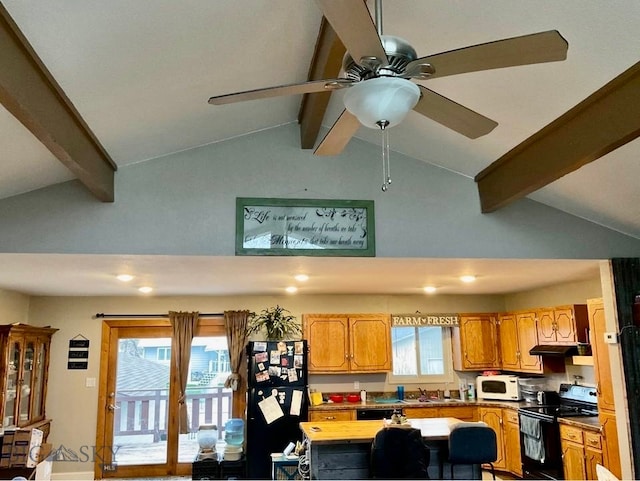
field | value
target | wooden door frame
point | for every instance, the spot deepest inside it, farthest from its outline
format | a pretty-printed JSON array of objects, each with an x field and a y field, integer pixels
[{"x": 108, "y": 358}]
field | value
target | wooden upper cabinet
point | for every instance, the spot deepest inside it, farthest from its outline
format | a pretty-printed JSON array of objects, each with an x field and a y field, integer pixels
[
  {"x": 563, "y": 324},
  {"x": 527, "y": 339},
  {"x": 370, "y": 343},
  {"x": 518, "y": 335},
  {"x": 328, "y": 340},
  {"x": 475, "y": 343},
  {"x": 348, "y": 343},
  {"x": 509, "y": 349}
]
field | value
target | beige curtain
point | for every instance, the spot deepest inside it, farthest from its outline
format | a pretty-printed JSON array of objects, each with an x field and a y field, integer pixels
[
  {"x": 183, "y": 324},
  {"x": 235, "y": 323}
]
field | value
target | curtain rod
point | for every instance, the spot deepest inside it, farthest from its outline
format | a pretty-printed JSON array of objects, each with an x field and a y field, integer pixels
[{"x": 102, "y": 315}]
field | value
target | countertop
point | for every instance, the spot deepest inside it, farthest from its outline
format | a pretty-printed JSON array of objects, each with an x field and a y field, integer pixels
[
  {"x": 588, "y": 422},
  {"x": 365, "y": 431}
]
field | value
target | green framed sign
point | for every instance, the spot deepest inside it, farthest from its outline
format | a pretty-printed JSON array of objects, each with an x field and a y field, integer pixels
[{"x": 304, "y": 227}]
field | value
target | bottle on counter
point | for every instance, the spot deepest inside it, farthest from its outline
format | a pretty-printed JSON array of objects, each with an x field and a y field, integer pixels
[
  {"x": 363, "y": 396},
  {"x": 471, "y": 391}
]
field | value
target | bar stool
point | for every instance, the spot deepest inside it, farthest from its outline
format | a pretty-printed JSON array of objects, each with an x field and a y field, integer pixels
[{"x": 474, "y": 444}]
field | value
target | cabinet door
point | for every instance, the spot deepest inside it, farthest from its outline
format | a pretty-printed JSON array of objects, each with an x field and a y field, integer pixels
[
  {"x": 12, "y": 382},
  {"x": 610, "y": 448},
  {"x": 40, "y": 371},
  {"x": 527, "y": 339},
  {"x": 464, "y": 413},
  {"x": 333, "y": 415},
  {"x": 600, "y": 352},
  {"x": 27, "y": 381},
  {"x": 370, "y": 343},
  {"x": 571, "y": 323},
  {"x": 417, "y": 413},
  {"x": 573, "y": 460},
  {"x": 512, "y": 445},
  {"x": 593, "y": 453},
  {"x": 509, "y": 342},
  {"x": 493, "y": 417},
  {"x": 546, "y": 326},
  {"x": 328, "y": 343},
  {"x": 479, "y": 342}
]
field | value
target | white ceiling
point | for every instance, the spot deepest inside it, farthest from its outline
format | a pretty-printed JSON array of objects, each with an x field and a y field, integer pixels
[
  {"x": 89, "y": 275},
  {"x": 140, "y": 73}
]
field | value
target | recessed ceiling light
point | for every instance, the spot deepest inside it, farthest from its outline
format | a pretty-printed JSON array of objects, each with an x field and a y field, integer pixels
[
  {"x": 302, "y": 277},
  {"x": 291, "y": 289},
  {"x": 124, "y": 277},
  {"x": 429, "y": 289},
  {"x": 145, "y": 289},
  {"x": 467, "y": 279}
]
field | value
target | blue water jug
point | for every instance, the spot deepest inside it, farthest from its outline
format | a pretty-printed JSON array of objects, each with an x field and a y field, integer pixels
[{"x": 234, "y": 432}]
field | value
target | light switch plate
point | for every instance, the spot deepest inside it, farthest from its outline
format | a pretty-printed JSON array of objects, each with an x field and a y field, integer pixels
[
  {"x": 356, "y": 385},
  {"x": 90, "y": 382},
  {"x": 611, "y": 337}
]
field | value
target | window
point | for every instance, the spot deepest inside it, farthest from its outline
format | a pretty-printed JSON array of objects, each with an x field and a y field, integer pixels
[
  {"x": 164, "y": 354},
  {"x": 421, "y": 354}
]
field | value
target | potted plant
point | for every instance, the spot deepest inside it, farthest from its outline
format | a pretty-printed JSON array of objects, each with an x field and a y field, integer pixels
[{"x": 276, "y": 321}]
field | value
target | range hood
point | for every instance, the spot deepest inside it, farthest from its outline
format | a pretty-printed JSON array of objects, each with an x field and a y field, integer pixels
[{"x": 553, "y": 350}]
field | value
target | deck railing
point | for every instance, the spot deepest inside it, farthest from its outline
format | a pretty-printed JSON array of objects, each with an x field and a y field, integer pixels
[{"x": 144, "y": 411}]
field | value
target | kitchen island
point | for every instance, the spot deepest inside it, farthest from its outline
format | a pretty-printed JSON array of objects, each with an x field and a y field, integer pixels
[{"x": 342, "y": 449}]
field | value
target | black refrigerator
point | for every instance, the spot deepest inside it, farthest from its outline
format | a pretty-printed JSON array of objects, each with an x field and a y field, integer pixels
[{"x": 276, "y": 401}]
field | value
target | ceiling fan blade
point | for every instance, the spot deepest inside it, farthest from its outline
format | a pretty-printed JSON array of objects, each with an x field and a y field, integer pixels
[
  {"x": 339, "y": 135},
  {"x": 352, "y": 22},
  {"x": 453, "y": 115},
  {"x": 529, "y": 49},
  {"x": 280, "y": 90}
]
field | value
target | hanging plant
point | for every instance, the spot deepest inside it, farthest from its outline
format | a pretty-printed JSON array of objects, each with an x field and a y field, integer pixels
[{"x": 277, "y": 321}]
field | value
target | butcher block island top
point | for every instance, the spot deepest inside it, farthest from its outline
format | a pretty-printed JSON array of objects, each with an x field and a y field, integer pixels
[{"x": 365, "y": 431}]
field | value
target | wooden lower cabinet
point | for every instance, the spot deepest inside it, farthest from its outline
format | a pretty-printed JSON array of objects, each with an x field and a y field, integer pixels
[
  {"x": 610, "y": 447},
  {"x": 513, "y": 456},
  {"x": 419, "y": 413},
  {"x": 493, "y": 417},
  {"x": 581, "y": 451},
  {"x": 333, "y": 415}
]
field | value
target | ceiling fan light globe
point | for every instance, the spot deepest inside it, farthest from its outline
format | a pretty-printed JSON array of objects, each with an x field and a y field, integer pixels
[{"x": 381, "y": 99}]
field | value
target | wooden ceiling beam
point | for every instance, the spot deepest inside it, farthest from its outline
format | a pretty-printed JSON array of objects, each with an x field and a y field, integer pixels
[
  {"x": 325, "y": 64},
  {"x": 604, "y": 121},
  {"x": 31, "y": 94}
]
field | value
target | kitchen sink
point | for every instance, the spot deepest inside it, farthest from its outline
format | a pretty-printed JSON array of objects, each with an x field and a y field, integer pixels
[{"x": 416, "y": 401}]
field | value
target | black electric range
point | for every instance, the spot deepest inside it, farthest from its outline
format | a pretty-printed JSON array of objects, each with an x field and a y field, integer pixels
[
  {"x": 542, "y": 457},
  {"x": 573, "y": 400}
]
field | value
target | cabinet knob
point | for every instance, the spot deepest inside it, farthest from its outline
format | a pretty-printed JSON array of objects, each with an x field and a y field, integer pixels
[{"x": 112, "y": 407}]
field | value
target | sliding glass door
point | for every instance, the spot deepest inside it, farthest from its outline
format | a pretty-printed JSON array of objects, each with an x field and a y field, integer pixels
[{"x": 137, "y": 432}]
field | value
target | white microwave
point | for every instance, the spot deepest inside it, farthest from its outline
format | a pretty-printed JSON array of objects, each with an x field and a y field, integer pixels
[{"x": 500, "y": 386}]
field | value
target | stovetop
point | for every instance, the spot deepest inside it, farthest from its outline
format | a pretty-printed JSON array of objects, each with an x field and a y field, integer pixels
[
  {"x": 561, "y": 411},
  {"x": 575, "y": 400}
]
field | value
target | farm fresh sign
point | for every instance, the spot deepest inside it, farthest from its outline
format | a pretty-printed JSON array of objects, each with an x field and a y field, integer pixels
[{"x": 417, "y": 320}]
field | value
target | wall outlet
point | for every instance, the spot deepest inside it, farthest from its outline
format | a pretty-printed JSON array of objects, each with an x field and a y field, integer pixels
[
  {"x": 611, "y": 338},
  {"x": 356, "y": 385}
]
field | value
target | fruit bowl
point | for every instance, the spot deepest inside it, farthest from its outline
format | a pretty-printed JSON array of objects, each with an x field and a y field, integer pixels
[
  {"x": 336, "y": 398},
  {"x": 353, "y": 398}
]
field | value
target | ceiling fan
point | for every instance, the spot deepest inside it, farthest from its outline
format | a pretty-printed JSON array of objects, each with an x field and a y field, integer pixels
[{"x": 378, "y": 70}]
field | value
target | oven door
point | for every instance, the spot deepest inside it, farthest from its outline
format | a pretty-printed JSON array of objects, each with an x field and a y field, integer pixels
[{"x": 541, "y": 454}]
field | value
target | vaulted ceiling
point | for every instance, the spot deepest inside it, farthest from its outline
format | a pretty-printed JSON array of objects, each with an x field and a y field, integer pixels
[{"x": 128, "y": 81}]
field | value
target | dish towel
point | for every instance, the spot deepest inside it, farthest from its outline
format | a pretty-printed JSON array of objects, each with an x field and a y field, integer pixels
[{"x": 532, "y": 438}]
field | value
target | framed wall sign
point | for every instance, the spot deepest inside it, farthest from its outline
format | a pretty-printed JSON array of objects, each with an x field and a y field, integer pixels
[{"x": 304, "y": 227}]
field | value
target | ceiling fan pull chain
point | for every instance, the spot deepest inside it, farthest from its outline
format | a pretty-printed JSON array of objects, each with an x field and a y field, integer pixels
[{"x": 386, "y": 166}]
